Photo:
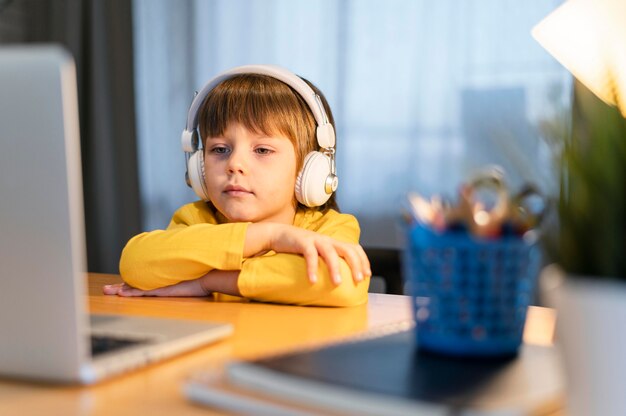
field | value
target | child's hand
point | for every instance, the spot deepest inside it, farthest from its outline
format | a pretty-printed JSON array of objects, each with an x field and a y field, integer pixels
[
  {"x": 290, "y": 239},
  {"x": 222, "y": 281},
  {"x": 182, "y": 289}
]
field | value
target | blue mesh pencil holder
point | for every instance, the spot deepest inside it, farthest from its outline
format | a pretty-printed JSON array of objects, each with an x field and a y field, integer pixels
[{"x": 470, "y": 295}]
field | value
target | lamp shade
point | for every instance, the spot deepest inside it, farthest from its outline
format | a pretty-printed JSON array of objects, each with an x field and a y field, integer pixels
[{"x": 588, "y": 37}]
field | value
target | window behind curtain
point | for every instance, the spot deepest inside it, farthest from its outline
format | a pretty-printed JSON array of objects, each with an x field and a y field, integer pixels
[{"x": 423, "y": 92}]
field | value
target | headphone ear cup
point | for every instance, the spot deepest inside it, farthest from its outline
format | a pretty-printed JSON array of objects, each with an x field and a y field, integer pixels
[
  {"x": 195, "y": 172},
  {"x": 311, "y": 181}
]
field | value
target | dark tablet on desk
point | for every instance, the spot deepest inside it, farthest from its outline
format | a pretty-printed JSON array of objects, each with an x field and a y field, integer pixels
[{"x": 387, "y": 375}]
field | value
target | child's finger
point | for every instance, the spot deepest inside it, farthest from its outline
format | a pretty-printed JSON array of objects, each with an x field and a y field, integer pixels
[
  {"x": 365, "y": 262},
  {"x": 310, "y": 256},
  {"x": 129, "y": 291},
  {"x": 112, "y": 289},
  {"x": 351, "y": 256},
  {"x": 330, "y": 256}
]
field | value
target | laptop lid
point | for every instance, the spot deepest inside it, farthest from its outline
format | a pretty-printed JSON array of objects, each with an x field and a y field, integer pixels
[{"x": 42, "y": 247}]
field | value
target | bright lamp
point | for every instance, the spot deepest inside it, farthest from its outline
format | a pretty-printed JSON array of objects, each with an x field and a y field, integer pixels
[{"x": 588, "y": 37}]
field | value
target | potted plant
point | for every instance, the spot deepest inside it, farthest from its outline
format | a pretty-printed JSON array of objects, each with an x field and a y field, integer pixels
[{"x": 587, "y": 283}]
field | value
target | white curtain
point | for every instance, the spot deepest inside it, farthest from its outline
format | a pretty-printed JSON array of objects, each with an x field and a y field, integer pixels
[{"x": 423, "y": 91}]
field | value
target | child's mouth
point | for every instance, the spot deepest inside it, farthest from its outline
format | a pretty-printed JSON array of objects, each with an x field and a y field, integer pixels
[{"x": 236, "y": 191}]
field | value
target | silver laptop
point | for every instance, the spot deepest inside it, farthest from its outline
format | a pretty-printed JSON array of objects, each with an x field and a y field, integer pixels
[{"x": 45, "y": 330}]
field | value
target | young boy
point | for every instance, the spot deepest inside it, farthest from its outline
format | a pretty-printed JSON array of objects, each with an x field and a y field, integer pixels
[{"x": 268, "y": 210}]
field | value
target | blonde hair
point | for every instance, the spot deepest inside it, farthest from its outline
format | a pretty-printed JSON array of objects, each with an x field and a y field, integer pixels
[{"x": 264, "y": 105}]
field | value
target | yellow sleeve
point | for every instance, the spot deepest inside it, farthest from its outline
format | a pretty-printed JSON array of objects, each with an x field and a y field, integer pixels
[
  {"x": 192, "y": 245},
  {"x": 282, "y": 277}
]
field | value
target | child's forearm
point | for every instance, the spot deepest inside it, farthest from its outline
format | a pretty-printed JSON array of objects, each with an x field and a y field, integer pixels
[
  {"x": 221, "y": 281},
  {"x": 283, "y": 238},
  {"x": 258, "y": 238},
  {"x": 163, "y": 258},
  {"x": 281, "y": 278}
]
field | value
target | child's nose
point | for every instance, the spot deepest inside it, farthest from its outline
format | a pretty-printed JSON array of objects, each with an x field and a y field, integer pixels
[{"x": 236, "y": 163}]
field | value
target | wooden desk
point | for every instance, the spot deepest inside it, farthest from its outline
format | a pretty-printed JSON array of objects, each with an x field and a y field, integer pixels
[{"x": 260, "y": 329}]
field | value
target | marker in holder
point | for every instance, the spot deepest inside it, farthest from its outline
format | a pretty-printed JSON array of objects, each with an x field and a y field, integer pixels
[{"x": 470, "y": 295}]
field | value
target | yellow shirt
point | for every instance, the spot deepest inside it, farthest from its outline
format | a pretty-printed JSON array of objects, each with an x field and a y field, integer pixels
[{"x": 199, "y": 240}]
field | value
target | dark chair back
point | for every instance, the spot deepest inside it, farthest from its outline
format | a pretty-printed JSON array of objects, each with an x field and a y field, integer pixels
[{"x": 385, "y": 263}]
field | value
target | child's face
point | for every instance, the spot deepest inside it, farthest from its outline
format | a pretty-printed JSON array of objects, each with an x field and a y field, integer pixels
[{"x": 251, "y": 177}]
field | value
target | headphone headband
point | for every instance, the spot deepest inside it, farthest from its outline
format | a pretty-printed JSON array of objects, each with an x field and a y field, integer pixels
[{"x": 325, "y": 131}]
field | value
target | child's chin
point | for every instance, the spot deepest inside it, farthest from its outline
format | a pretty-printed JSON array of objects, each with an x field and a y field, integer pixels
[{"x": 240, "y": 217}]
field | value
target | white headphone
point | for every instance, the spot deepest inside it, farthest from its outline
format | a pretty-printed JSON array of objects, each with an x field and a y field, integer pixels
[{"x": 316, "y": 181}]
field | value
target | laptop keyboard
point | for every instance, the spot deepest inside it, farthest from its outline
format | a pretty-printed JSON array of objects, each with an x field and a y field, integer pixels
[{"x": 102, "y": 344}]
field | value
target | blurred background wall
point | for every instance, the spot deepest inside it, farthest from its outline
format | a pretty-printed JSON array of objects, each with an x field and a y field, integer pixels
[{"x": 423, "y": 92}]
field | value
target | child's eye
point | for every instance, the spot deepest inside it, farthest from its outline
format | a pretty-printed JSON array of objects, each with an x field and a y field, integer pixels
[
  {"x": 220, "y": 150},
  {"x": 263, "y": 151}
]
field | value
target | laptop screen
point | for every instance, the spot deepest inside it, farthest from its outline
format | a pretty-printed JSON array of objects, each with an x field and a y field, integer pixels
[{"x": 42, "y": 243}]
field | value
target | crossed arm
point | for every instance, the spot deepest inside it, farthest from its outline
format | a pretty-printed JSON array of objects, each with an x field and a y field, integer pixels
[{"x": 268, "y": 251}]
